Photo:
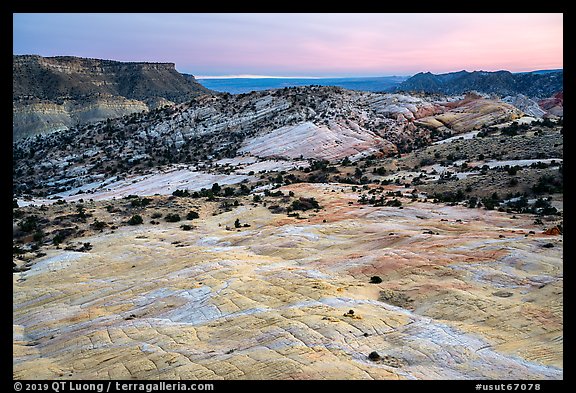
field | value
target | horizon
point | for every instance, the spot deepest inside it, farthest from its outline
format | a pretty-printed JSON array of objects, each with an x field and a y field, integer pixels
[
  {"x": 254, "y": 76},
  {"x": 328, "y": 45},
  {"x": 249, "y": 76}
]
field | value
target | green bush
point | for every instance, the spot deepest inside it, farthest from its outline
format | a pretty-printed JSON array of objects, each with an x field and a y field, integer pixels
[
  {"x": 140, "y": 202},
  {"x": 394, "y": 203},
  {"x": 181, "y": 193},
  {"x": 38, "y": 236},
  {"x": 192, "y": 215},
  {"x": 98, "y": 225},
  {"x": 135, "y": 220},
  {"x": 28, "y": 224},
  {"x": 172, "y": 217},
  {"x": 305, "y": 204},
  {"x": 58, "y": 238}
]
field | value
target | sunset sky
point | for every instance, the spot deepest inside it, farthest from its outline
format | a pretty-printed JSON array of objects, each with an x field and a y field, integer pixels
[{"x": 299, "y": 44}]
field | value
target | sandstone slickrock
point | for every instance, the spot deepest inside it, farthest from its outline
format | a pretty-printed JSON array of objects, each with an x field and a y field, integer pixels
[
  {"x": 526, "y": 105},
  {"x": 152, "y": 302},
  {"x": 332, "y": 142},
  {"x": 280, "y": 234},
  {"x": 553, "y": 105},
  {"x": 312, "y": 122},
  {"x": 471, "y": 113}
]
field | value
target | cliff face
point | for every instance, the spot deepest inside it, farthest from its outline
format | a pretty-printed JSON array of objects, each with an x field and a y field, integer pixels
[{"x": 55, "y": 93}]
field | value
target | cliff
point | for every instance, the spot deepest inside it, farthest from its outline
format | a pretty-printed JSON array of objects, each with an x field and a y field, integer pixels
[{"x": 55, "y": 93}]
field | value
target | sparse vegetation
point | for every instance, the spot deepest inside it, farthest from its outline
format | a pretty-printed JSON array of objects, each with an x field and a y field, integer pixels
[
  {"x": 375, "y": 280},
  {"x": 135, "y": 220},
  {"x": 305, "y": 204},
  {"x": 192, "y": 215},
  {"x": 181, "y": 193},
  {"x": 172, "y": 217}
]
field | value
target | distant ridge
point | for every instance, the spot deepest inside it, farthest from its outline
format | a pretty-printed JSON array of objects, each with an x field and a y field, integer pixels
[
  {"x": 536, "y": 84},
  {"x": 245, "y": 85}
]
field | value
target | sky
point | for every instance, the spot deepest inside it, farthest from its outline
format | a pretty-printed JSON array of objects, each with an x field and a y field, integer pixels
[{"x": 301, "y": 44}]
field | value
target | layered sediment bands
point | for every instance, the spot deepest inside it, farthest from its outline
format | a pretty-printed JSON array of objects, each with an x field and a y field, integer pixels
[
  {"x": 55, "y": 93},
  {"x": 554, "y": 105},
  {"x": 42, "y": 117},
  {"x": 307, "y": 140},
  {"x": 526, "y": 105},
  {"x": 39, "y": 117},
  {"x": 464, "y": 294},
  {"x": 472, "y": 113}
]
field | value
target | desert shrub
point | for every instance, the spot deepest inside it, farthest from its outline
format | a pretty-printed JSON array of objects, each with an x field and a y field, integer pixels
[
  {"x": 181, "y": 193},
  {"x": 374, "y": 356},
  {"x": 135, "y": 220},
  {"x": 192, "y": 215},
  {"x": 513, "y": 170},
  {"x": 375, "y": 280},
  {"x": 548, "y": 184},
  {"x": 492, "y": 202},
  {"x": 427, "y": 161},
  {"x": 38, "y": 236},
  {"x": 276, "y": 209},
  {"x": 473, "y": 202},
  {"x": 58, "y": 238},
  {"x": 449, "y": 196},
  {"x": 381, "y": 171},
  {"x": 98, "y": 225},
  {"x": 543, "y": 207},
  {"x": 172, "y": 217},
  {"x": 28, "y": 224},
  {"x": 140, "y": 202},
  {"x": 305, "y": 204}
]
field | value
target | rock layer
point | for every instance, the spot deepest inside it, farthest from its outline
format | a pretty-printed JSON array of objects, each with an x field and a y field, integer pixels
[
  {"x": 55, "y": 93},
  {"x": 463, "y": 292},
  {"x": 471, "y": 113},
  {"x": 307, "y": 140}
]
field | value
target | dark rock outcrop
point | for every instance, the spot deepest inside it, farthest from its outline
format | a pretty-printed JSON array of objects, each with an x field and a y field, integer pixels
[{"x": 503, "y": 83}]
